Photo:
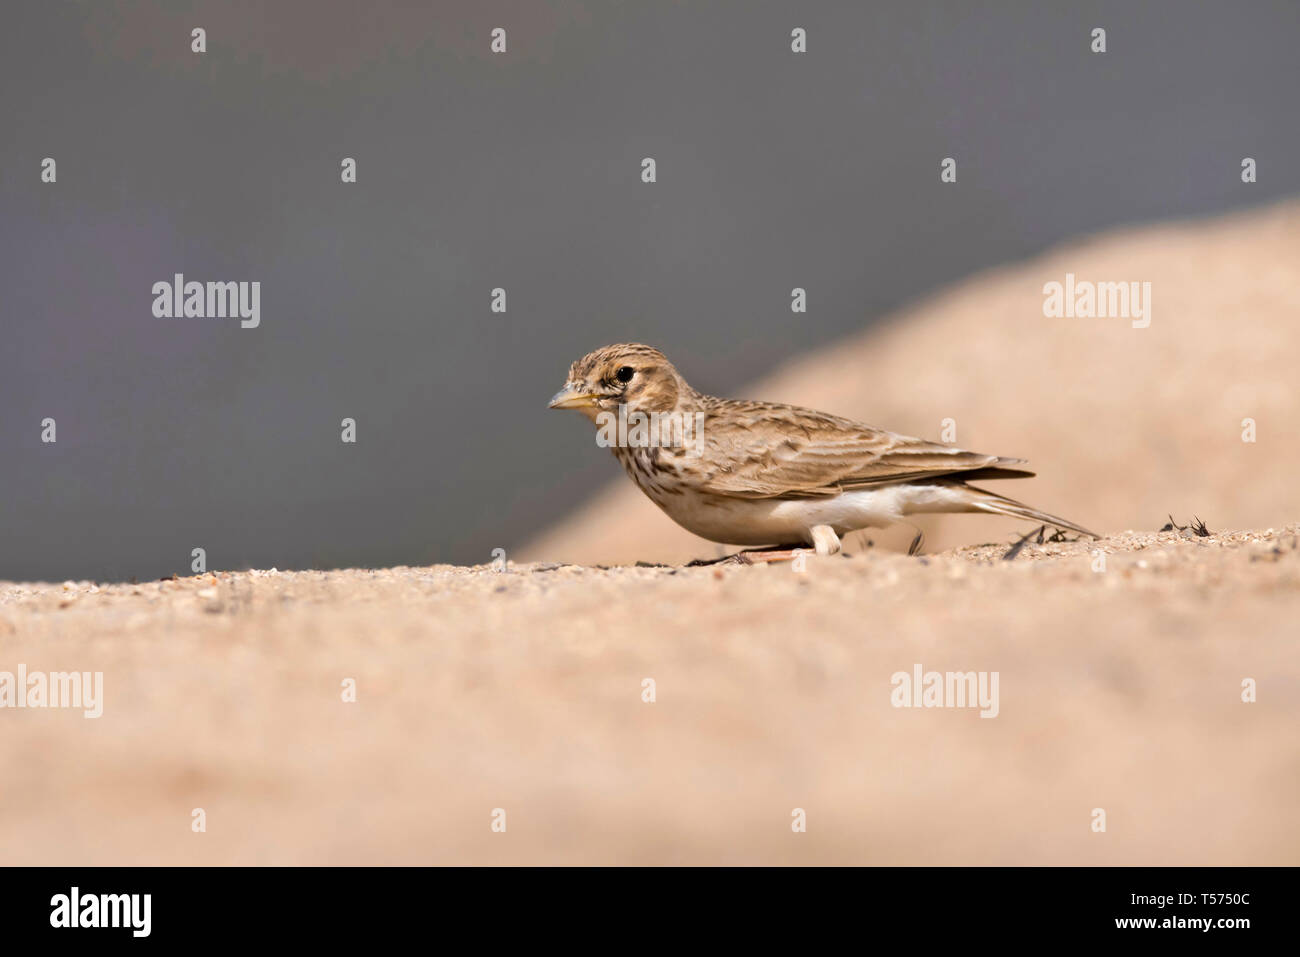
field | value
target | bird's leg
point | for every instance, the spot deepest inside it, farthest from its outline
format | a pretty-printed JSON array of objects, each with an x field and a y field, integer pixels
[
  {"x": 825, "y": 540},
  {"x": 780, "y": 553},
  {"x": 753, "y": 556},
  {"x": 701, "y": 562}
]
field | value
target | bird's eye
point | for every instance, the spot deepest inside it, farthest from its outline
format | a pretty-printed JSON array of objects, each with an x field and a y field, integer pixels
[{"x": 624, "y": 374}]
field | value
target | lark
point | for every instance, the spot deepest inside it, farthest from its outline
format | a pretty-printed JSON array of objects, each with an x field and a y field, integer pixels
[{"x": 771, "y": 475}]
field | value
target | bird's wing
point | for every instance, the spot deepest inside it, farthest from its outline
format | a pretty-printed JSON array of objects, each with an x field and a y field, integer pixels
[{"x": 762, "y": 450}]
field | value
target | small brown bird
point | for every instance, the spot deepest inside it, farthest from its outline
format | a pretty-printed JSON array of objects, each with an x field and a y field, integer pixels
[{"x": 762, "y": 473}]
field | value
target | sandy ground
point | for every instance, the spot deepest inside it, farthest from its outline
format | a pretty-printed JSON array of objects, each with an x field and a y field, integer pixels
[{"x": 522, "y": 689}]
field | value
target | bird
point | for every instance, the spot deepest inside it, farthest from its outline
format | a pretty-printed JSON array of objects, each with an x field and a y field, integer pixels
[{"x": 780, "y": 477}]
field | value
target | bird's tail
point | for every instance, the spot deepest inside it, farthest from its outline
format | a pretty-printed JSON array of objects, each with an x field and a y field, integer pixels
[{"x": 981, "y": 500}]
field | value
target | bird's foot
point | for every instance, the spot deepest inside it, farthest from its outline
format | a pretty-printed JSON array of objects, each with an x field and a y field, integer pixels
[{"x": 825, "y": 541}]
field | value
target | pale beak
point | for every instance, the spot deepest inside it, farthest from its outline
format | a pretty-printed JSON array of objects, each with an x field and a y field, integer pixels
[{"x": 570, "y": 398}]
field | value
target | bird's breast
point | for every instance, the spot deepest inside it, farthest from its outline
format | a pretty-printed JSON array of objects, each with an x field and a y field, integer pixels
[{"x": 652, "y": 471}]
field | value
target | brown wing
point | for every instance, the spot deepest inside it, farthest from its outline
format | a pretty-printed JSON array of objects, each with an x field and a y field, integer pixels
[{"x": 763, "y": 450}]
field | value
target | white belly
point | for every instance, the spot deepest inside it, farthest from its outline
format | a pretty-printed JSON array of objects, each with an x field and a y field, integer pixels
[{"x": 787, "y": 521}]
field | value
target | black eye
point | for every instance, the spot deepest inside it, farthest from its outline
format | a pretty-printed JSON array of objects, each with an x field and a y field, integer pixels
[{"x": 624, "y": 374}]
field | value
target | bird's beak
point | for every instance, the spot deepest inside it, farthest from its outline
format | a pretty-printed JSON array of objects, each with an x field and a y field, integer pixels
[{"x": 571, "y": 398}]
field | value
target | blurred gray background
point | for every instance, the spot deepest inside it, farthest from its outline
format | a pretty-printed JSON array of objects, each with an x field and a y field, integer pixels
[{"x": 522, "y": 170}]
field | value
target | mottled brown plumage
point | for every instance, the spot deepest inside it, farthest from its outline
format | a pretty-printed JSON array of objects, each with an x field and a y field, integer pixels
[{"x": 763, "y": 473}]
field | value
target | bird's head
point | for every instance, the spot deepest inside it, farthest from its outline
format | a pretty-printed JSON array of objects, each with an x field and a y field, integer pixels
[{"x": 637, "y": 376}]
